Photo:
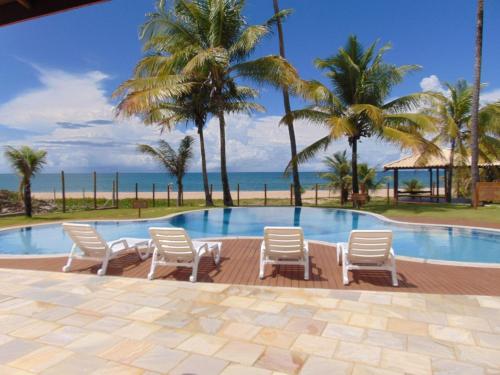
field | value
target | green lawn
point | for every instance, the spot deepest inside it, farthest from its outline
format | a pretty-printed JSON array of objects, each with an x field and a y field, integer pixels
[{"x": 441, "y": 213}]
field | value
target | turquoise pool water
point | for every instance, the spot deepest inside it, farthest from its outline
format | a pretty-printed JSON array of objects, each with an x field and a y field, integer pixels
[{"x": 331, "y": 225}]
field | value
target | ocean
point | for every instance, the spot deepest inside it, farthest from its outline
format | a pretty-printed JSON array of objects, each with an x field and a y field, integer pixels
[{"x": 249, "y": 181}]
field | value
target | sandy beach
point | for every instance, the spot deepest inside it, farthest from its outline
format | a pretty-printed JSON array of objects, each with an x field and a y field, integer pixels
[{"x": 272, "y": 194}]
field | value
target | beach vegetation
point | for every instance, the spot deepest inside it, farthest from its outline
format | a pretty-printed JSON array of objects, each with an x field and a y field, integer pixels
[{"x": 26, "y": 162}]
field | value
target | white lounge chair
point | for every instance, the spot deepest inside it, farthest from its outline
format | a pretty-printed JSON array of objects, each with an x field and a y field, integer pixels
[
  {"x": 173, "y": 247},
  {"x": 89, "y": 245},
  {"x": 285, "y": 246},
  {"x": 367, "y": 250}
]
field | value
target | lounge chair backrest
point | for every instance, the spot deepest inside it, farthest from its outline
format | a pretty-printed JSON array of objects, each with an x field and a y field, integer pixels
[
  {"x": 173, "y": 242},
  {"x": 369, "y": 246},
  {"x": 284, "y": 242},
  {"x": 86, "y": 238}
]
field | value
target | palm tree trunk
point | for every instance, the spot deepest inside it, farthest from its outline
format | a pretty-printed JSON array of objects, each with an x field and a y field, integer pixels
[
  {"x": 450, "y": 172},
  {"x": 354, "y": 166},
  {"x": 180, "y": 191},
  {"x": 291, "y": 130},
  {"x": 226, "y": 192},
  {"x": 208, "y": 196},
  {"x": 28, "y": 208},
  {"x": 475, "y": 97}
]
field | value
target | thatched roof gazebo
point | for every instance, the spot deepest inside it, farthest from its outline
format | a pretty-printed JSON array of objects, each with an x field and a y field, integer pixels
[
  {"x": 432, "y": 163},
  {"x": 12, "y": 11}
]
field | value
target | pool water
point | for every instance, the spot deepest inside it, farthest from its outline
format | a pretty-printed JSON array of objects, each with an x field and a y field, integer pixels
[{"x": 324, "y": 224}]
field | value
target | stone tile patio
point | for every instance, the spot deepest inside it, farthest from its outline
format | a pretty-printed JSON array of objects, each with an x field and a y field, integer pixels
[{"x": 55, "y": 323}]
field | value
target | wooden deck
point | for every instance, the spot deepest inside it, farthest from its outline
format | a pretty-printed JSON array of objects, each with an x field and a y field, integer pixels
[{"x": 240, "y": 265}]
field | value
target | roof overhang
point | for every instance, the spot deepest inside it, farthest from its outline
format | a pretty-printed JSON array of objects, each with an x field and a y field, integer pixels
[{"x": 12, "y": 11}]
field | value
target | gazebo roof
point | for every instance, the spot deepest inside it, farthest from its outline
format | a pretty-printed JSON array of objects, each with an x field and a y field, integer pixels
[
  {"x": 12, "y": 11},
  {"x": 411, "y": 162}
]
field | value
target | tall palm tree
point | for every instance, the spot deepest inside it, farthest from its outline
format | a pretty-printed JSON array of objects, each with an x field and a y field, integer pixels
[
  {"x": 475, "y": 98},
  {"x": 453, "y": 112},
  {"x": 288, "y": 109},
  {"x": 356, "y": 106},
  {"x": 212, "y": 38},
  {"x": 175, "y": 162},
  {"x": 339, "y": 174},
  {"x": 26, "y": 162}
]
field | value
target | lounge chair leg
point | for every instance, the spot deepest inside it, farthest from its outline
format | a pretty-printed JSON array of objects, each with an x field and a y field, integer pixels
[
  {"x": 345, "y": 271},
  {"x": 154, "y": 261},
  {"x": 262, "y": 264},
  {"x": 104, "y": 267},
  {"x": 217, "y": 255},
  {"x": 393, "y": 270},
  {"x": 193, "y": 276},
  {"x": 67, "y": 267},
  {"x": 306, "y": 268}
]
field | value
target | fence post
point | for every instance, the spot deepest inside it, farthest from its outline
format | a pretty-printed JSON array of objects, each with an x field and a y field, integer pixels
[
  {"x": 116, "y": 178},
  {"x": 95, "y": 190},
  {"x": 291, "y": 194},
  {"x": 63, "y": 190},
  {"x": 168, "y": 195},
  {"x": 113, "y": 189},
  {"x": 265, "y": 194},
  {"x": 54, "y": 195},
  {"x": 136, "y": 191},
  {"x": 154, "y": 195},
  {"x": 316, "y": 195},
  {"x": 238, "y": 195}
]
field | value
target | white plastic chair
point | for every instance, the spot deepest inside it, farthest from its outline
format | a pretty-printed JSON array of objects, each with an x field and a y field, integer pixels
[
  {"x": 173, "y": 247},
  {"x": 284, "y": 246},
  {"x": 89, "y": 245},
  {"x": 367, "y": 250}
]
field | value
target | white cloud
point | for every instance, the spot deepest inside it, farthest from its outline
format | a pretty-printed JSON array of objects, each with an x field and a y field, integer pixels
[
  {"x": 75, "y": 122},
  {"x": 431, "y": 83},
  {"x": 490, "y": 96}
]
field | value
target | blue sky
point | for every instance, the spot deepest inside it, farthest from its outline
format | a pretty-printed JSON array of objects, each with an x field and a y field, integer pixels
[{"x": 57, "y": 74}]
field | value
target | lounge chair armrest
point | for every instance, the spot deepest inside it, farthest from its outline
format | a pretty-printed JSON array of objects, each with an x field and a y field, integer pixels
[
  {"x": 117, "y": 242},
  {"x": 391, "y": 253},
  {"x": 200, "y": 247}
]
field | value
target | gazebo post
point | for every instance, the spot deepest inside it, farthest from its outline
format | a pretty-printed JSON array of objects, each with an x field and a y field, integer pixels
[
  {"x": 446, "y": 191},
  {"x": 430, "y": 181},
  {"x": 396, "y": 188},
  {"x": 437, "y": 183}
]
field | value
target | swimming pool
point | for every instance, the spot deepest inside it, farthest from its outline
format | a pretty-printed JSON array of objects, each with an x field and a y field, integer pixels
[{"x": 323, "y": 224}]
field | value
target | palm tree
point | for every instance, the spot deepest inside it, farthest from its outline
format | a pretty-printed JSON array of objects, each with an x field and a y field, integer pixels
[
  {"x": 356, "y": 106},
  {"x": 211, "y": 38},
  {"x": 26, "y": 162},
  {"x": 339, "y": 174},
  {"x": 453, "y": 112},
  {"x": 175, "y": 162},
  {"x": 412, "y": 186},
  {"x": 367, "y": 176},
  {"x": 286, "y": 103},
  {"x": 475, "y": 98}
]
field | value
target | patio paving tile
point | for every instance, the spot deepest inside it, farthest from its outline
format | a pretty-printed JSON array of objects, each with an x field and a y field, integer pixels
[
  {"x": 360, "y": 353},
  {"x": 317, "y": 345},
  {"x": 241, "y": 352},
  {"x": 323, "y": 366},
  {"x": 159, "y": 359},
  {"x": 238, "y": 329},
  {"x": 197, "y": 364},
  {"x": 202, "y": 344}
]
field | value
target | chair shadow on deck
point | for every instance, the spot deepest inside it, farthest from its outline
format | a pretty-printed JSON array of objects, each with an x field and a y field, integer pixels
[
  {"x": 292, "y": 272},
  {"x": 379, "y": 279}
]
